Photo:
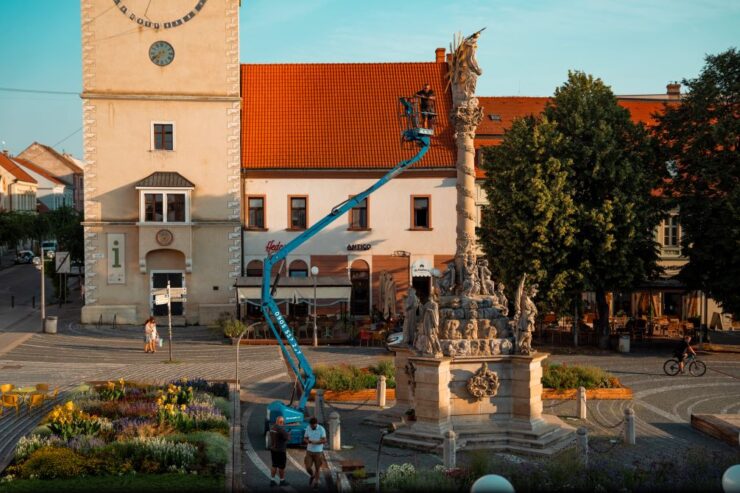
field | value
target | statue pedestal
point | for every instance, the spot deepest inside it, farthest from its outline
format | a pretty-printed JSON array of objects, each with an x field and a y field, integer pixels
[{"x": 511, "y": 420}]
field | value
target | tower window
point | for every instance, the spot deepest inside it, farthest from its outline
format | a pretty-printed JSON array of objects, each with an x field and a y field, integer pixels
[{"x": 163, "y": 136}]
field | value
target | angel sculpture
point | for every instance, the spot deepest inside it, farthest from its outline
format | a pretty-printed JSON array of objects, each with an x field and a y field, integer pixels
[
  {"x": 464, "y": 69},
  {"x": 524, "y": 316}
]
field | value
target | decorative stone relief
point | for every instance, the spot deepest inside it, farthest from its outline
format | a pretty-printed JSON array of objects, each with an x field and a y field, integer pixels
[
  {"x": 524, "y": 317},
  {"x": 484, "y": 383},
  {"x": 410, "y": 370}
]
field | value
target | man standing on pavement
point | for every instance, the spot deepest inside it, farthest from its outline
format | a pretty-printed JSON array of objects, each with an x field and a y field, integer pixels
[
  {"x": 314, "y": 438},
  {"x": 279, "y": 437}
]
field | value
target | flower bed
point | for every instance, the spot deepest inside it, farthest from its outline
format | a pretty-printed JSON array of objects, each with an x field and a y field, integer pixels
[
  {"x": 344, "y": 378},
  {"x": 121, "y": 428},
  {"x": 561, "y": 382}
]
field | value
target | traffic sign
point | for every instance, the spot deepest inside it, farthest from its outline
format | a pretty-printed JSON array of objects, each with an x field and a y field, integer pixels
[
  {"x": 62, "y": 262},
  {"x": 161, "y": 299}
]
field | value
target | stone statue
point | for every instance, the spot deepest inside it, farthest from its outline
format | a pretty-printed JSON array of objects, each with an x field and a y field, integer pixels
[
  {"x": 411, "y": 309},
  {"x": 524, "y": 318},
  {"x": 484, "y": 274},
  {"x": 447, "y": 281},
  {"x": 427, "y": 342},
  {"x": 471, "y": 284},
  {"x": 502, "y": 303},
  {"x": 463, "y": 66},
  {"x": 388, "y": 295},
  {"x": 471, "y": 329}
]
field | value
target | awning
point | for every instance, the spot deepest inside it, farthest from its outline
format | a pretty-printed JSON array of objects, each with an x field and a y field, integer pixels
[
  {"x": 422, "y": 267},
  {"x": 296, "y": 289}
]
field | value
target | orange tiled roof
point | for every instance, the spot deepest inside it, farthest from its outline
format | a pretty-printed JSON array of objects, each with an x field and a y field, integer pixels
[
  {"x": 15, "y": 170},
  {"x": 38, "y": 169},
  {"x": 337, "y": 115}
]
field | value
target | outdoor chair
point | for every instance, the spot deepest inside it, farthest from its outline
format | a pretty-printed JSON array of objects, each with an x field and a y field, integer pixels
[
  {"x": 10, "y": 400},
  {"x": 6, "y": 387},
  {"x": 51, "y": 396},
  {"x": 42, "y": 387},
  {"x": 365, "y": 336},
  {"x": 35, "y": 400}
]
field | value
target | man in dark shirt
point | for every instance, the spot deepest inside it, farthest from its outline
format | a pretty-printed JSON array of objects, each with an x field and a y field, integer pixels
[
  {"x": 683, "y": 350},
  {"x": 426, "y": 104},
  {"x": 279, "y": 437}
]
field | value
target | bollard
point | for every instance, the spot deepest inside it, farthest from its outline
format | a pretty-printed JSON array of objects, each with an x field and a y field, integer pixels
[
  {"x": 12, "y": 301},
  {"x": 318, "y": 403},
  {"x": 335, "y": 431},
  {"x": 629, "y": 426},
  {"x": 33, "y": 302},
  {"x": 582, "y": 444},
  {"x": 581, "y": 403},
  {"x": 380, "y": 392},
  {"x": 449, "y": 449}
]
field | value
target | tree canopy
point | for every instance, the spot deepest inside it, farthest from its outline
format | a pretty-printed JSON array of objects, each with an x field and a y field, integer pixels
[
  {"x": 571, "y": 200},
  {"x": 700, "y": 138}
]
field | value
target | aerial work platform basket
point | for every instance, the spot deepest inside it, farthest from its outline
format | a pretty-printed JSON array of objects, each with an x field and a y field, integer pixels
[{"x": 416, "y": 118}]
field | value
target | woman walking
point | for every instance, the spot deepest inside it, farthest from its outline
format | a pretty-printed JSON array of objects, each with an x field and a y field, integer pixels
[{"x": 150, "y": 336}]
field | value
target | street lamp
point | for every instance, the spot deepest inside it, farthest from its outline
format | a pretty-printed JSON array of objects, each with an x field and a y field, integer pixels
[
  {"x": 315, "y": 274},
  {"x": 39, "y": 263}
]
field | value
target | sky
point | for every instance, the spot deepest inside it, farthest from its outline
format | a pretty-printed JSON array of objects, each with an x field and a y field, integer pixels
[{"x": 635, "y": 46}]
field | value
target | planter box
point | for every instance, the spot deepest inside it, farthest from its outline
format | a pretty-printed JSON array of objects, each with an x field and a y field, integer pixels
[
  {"x": 622, "y": 393},
  {"x": 354, "y": 396}
]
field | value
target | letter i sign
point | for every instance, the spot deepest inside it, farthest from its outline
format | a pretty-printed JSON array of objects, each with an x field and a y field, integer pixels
[{"x": 116, "y": 254}]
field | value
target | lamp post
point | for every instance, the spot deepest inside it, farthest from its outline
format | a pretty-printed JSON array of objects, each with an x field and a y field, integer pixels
[
  {"x": 315, "y": 274},
  {"x": 39, "y": 263}
]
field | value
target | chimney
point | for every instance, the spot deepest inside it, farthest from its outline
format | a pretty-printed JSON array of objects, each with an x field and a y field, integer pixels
[
  {"x": 6, "y": 152},
  {"x": 439, "y": 55},
  {"x": 673, "y": 90}
]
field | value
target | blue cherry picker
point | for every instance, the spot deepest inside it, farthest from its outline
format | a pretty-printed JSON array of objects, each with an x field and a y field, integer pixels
[{"x": 296, "y": 416}]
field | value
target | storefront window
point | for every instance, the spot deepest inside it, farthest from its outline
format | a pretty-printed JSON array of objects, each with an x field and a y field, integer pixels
[
  {"x": 360, "y": 298},
  {"x": 254, "y": 268},
  {"x": 298, "y": 268}
]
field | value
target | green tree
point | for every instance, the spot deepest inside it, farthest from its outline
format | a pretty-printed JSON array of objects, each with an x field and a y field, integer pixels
[
  {"x": 529, "y": 226},
  {"x": 700, "y": 138},
  {"x": 65, "y": 226},
  {"x": 596, "y": 188}
]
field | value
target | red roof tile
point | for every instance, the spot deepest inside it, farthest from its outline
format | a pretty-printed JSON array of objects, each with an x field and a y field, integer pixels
[
  {"x": 339, "y": 115},
  {"x": 38, "y": 169},
  {"x": 14, "y": 169}
]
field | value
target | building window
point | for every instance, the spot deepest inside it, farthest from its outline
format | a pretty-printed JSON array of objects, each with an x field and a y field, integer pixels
[
  {"x": 254, "y": 268},
  {"x": 256, "y": 212},
  {"x": 165, "y": 207},
  {"x": 358, "y": 218},
  {"x": 421, "y": 212},
  {"x": 298, "y": 268},
  {"x": 163, "y": 138},
  {"x": 298, "y": 212},
  {"x": 670, "y": 232}
]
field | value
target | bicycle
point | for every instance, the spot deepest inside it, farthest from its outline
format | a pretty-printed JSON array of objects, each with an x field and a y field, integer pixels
[{"x": 696, "y": 367}]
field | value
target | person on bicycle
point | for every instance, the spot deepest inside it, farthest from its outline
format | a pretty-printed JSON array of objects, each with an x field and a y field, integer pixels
[{"x": 683, "y": 350}]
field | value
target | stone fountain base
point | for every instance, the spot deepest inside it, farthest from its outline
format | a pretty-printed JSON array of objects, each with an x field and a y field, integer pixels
[{"x": 490, "y": 402}]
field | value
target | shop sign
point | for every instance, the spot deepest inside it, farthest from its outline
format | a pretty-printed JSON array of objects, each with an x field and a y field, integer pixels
[
  {"x": 358, "y": 247},
  {"x": 273, "y": 246},
  {"x": 116, "y": 258}
]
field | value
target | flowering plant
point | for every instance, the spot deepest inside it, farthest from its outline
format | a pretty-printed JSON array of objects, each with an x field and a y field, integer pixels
[
  {"x": 112, "y": 391},
  {"x": 67, "y": 421}
]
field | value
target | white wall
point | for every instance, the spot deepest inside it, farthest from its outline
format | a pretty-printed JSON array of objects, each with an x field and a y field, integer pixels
[{"x": 389, "y": 216}]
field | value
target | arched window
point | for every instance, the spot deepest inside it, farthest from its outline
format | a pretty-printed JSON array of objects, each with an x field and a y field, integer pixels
[
  {"x": 254, "y": 268},
  {"x": 298, "y": 268},
  {"x": 359, "y": 274}
]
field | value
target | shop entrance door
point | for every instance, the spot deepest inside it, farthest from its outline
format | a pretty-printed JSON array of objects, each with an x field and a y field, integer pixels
[
  {"x": 360, "y": 300},
  {"x": 159, "y": 281},
  {"x": 421, "y": 285}
]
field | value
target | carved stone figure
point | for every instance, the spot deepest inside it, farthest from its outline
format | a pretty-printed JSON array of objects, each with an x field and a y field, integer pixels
[
  {"x": 502, "y": 303},
  {"x": 484, "y": 383},
  {"x": 388, "y": 295},
  {"x": 484, "y": 274},
  {"x": 471, "y": 329},
  {"x": 524, "y": 318},
  {"x": 411, "y": 310},
  {"x": 427, "y": 342},
  {"x": 447, "y": 281},
  {"x": 464, "y": 69},
  {"x": 506, "y": 346},
  {"x": 485, "y": 329}
]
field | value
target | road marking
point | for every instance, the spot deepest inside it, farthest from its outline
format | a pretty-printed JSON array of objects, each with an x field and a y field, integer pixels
[
  {"x": 691, "y": 407},
  {"x": 298, "y": 465},
  {"x": 660, "y": 412},
  {"x": 645, "y": 393}
]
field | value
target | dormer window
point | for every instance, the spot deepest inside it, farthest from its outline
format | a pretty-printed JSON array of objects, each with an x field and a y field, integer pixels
[{"x": 164, "y": 197}]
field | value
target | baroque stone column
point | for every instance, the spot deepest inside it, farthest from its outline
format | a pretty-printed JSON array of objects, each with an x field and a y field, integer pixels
[{"x": 465, "y": 116}]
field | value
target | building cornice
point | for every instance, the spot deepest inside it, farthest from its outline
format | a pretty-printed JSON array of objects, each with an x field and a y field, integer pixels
[
  {"x": 206, "y": 98},
  {"x": 345, "y": 173}
]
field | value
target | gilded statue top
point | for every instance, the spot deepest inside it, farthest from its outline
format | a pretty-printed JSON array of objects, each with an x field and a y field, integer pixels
[{"x": 463, "y": 65}]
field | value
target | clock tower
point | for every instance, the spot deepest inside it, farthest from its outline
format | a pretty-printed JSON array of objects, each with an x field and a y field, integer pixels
[{"x": 161, "y": 107}]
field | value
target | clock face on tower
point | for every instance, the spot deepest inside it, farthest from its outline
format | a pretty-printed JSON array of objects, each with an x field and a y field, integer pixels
[
  {"x": 161, "y": 53},
  {"x": 145, "y": 14}
]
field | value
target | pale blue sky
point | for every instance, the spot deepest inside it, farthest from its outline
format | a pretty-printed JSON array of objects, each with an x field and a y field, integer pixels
[{"x": 636, "y": 46}]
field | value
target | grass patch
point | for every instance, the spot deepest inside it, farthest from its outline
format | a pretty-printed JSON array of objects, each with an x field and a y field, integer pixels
[
  {"x": 561, "y": 377},
  {"x": 350, "y": 378},
  {"x": 129, "y": 482}
]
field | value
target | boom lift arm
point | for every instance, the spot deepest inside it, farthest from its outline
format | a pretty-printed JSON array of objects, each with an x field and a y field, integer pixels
[{"x": 297, "y": 360}]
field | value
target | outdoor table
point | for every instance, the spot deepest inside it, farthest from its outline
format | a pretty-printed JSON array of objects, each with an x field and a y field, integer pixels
[{"x": 23, "y": 392}]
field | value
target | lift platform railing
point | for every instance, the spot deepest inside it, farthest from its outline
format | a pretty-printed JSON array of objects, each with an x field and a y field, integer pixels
[
  {"x": 275, "y": 320},
  {"x": 413, "y": 114}
]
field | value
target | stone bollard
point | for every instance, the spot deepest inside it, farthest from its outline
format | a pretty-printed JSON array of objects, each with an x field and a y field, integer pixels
[
  {"x": 629, "y": 426},
  {"x": 449, "y": 449},
  {"x": 318, "y": 406},
  {"x": 582, "y": 444},
  {"x": 380, "y": 392},
  {"x": 335, "y": 432},
  {"x": 581, "y": 403}
]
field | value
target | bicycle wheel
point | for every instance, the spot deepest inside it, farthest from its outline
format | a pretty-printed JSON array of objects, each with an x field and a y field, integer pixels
[
  {"x": 697, "y": 368},
  {"x": 671, "y": 367}
]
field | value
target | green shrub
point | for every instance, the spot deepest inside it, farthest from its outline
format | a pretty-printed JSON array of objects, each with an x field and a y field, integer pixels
[
  {"x": 215, "y": 446},
  {"x": 156, "y": 452},
  {"x": 42, "y": 431},
  {"x": 571, "y": 377},
  {"x": 344, "y": 377},
  {"x": 223, "y": 405},
  {"x": 388, "y": 368},
  {"x": 53, "y": 462}
]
